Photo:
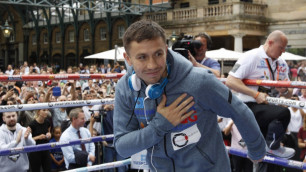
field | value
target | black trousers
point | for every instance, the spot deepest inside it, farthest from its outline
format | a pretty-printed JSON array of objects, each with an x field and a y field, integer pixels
[
  {"x": 40, "y": 159},
  {"x": 272, "y": 120},
  {"x": 241, "y": 164},
  {"x": 74, "y": 165}
]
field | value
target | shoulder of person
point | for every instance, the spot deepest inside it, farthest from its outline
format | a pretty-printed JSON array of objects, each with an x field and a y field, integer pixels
[
  {"x": 84, "y": 129},
  {"x": 3, "y": 128},
  {"x": 281, "y": 61},
  {"x": 123, "y": 81},
  {"x": 66, "y": 132},
  {"x": 211, "y": 59},
  {"x": 253, "y": 54},
  {"x": 52, "y": 140},
  {"x": 20, "y": 127},
  {"x": 200, "y": 74},
  {"x": 33, "y": 123}
]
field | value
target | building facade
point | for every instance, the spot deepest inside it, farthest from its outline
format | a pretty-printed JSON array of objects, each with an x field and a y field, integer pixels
[{"x": 66, "y": 36}]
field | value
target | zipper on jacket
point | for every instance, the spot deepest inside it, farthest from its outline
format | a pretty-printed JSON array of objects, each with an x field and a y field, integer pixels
[{"x": 165, "y": 147}]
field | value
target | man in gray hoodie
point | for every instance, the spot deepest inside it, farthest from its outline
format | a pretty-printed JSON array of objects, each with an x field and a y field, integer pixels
[
  {"x": 13, "y": 135},
  {"x": 168, "y": 107}
]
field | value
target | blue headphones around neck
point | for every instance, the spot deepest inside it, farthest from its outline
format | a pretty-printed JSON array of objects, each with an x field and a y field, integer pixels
[{"x": 153, "y": 91}]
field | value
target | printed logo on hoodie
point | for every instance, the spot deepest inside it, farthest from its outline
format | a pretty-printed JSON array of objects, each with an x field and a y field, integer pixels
[
  {"x": 188, "y": 121},
  {"x": 14, "y": 157}
]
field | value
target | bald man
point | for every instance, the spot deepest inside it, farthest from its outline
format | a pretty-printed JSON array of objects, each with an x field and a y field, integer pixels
[{"x": 264, "y": 63}]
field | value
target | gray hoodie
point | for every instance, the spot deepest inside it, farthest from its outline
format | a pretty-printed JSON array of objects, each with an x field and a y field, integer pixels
[
  {"x": 17, "y": 162},
  {"x": 194, "y": 145}
]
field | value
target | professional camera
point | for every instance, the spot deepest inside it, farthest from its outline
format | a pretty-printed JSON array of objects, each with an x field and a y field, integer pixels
[
  {"x": 182, "y": 46},
  {"x": 102, "y": 112}
]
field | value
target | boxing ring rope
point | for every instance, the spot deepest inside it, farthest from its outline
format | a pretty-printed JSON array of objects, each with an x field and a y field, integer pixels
[
  {"x": 256, "y": 82},
  {"x": 270, "y": 159},
  {"x": 271, "y": 83},
  {"x": 233, "y": 151},
  {"x": 51, "y": 105},
  {"x": 48, "y": 146},
  {"x": 286, "y": 102},
  {"x": 54, "y": 145},
  {"x": 102, "y": 166},
  {"x": 7, "y": 78}
]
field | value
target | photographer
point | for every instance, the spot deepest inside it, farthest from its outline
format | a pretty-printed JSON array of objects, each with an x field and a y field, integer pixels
[
  {"x": 105, "y": 114},
  {"x": 200, "y": 59},
  {"x": 92, "y": 110}
]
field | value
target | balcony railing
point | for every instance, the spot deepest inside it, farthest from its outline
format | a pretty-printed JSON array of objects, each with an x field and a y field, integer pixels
[
  {"x": 224, "y": 9},
  {"x": 255, "y": 9},
  {"x": 218, "y": 10},
  {"x": 183, "y": 14}
]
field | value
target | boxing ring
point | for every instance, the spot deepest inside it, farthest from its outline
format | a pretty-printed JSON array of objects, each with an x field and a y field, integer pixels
[{"x": 22, "y": 107}]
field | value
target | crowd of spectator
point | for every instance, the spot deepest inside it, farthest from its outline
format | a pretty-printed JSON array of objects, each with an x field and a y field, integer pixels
[
  {"x": 54, "y": 121},
  {"x": 47, "y": 125},
  {"x": 297, "y": 70}
]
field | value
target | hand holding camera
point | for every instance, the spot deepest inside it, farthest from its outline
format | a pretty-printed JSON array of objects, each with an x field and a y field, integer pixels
[{"x": 185, "y": 45}]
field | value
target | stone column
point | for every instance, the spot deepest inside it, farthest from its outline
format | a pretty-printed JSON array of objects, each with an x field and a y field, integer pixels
[{"x": 238, "y": 42}]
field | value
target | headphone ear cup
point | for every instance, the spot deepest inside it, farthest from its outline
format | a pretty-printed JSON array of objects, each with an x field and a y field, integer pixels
[
  {"x": 154, "y": 91},
  {"x": 134, "y": 82}
]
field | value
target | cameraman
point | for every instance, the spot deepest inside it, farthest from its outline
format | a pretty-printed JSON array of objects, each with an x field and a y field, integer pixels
[
  {"x": 200, "y": 59},
  {"x": 110, "y": 154},
  {"x": 91, "y": 110}
]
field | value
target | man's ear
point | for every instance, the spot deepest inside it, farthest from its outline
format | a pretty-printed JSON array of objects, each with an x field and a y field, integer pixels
[
  {"x": 3, "y": 118},
  {"x": 270, "y": 42},
  {"x": 127, "y": 58}
]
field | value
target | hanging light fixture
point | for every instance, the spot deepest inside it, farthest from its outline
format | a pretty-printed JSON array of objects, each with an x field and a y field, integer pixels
[
  {"x": 6, "y": 29},
  {"x": 173, "y": 37}
]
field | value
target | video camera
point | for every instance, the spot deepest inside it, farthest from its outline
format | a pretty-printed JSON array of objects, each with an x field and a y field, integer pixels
[{"x": 187, "y": 43}]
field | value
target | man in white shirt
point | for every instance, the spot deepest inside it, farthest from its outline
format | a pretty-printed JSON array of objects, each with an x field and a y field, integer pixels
[
  {"x": 9, "y": 70},
  {"x": 36, "y": 68},
  {"x": 74, "y": 154},
  {"x": 264, "y": 63},
  {"x": 26, "y": 68}
]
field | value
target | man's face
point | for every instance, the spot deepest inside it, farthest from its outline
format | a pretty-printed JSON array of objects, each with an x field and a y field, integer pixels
[
  {"x": 303, "y": 93},
  {"x": 80, "y": 120},
  {"x": 276, "y": 48},
  {"x": 69, "y": 70},
  {"x": 88, "y": 96},
  {"x": 62, "y": 98},
  {"x": 10, "y": 118},
  {"x": 201, "y": 51},
  {"x": 148, "y": 59},
  {"x": 91, "y": 71}
]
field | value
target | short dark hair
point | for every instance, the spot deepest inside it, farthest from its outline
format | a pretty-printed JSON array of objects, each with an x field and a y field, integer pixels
[
  {"x": 142, "y": 30},
  {"x": 207, "y": 37}
]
